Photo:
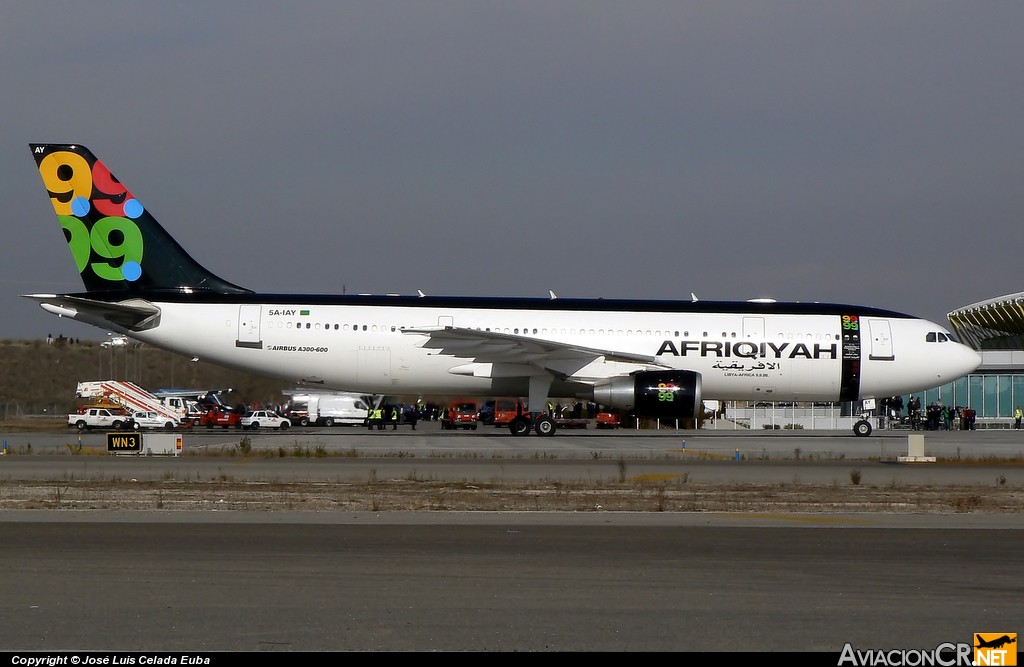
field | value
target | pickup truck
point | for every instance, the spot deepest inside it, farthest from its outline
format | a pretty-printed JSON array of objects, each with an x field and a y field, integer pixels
[{"x": 90, "y": 418}]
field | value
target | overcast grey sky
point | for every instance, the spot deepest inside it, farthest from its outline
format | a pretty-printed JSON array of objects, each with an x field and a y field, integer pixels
[{"x": 857, "y": 152}]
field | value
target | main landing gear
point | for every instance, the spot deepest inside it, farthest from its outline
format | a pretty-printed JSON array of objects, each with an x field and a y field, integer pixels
[{"x": 538, "y": 422}]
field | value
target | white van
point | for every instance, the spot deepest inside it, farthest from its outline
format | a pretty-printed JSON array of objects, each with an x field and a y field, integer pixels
[
  {"x": 335, "y": 409},
  {"x": 327, "y": 409}
]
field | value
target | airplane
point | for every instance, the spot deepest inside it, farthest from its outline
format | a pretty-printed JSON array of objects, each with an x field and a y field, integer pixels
[
  {"x": 998, "y": 642},
  {"x": 651, "y": 358}
]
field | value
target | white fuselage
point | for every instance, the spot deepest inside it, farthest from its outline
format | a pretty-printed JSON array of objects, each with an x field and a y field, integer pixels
[{"x": 740, "y": 356}]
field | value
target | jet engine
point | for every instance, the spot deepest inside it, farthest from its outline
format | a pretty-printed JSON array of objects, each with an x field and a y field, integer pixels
[{"x": 662, "y": 394}]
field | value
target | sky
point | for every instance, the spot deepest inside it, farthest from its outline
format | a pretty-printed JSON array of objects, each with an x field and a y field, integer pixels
[{"x": 853, "y": 152}]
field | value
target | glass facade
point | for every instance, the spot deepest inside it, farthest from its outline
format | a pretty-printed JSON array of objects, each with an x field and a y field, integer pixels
[{"x": 991, "y": 395}]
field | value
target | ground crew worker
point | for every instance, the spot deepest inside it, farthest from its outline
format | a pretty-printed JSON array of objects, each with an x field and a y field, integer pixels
[
  {"x": 369, "y": 418},
  {"x": 378, "y": 418},
  {"x": 1017, "y": 415},
  {"x": 394, "y": 417}
]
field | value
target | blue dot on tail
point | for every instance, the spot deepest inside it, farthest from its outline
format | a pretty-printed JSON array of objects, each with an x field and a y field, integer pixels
[
  {"x": 131, "y": 271},
  {"x": 132, "y": 208},
  {"x": 80, "y": 206}
]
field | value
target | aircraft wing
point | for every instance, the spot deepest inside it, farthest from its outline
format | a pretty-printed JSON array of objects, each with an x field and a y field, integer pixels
[
  {"x": 130, "y": 314},
  {"x": 501, "y": 348}
]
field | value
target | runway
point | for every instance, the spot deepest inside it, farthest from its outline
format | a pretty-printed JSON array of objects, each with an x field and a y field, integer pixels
[
  {"x": 500, "y": 583},
  {"x": 512, "y": 581}
]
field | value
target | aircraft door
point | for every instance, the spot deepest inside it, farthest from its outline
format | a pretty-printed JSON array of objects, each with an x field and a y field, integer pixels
[
  {"x": 753, "y": 328},
  {"x": 249, "y": 326},
  {"x": 881, "y": 340},
  {"x": 373, "y": 364}
]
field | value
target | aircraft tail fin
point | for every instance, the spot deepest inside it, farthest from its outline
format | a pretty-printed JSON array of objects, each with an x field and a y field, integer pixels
[{"x": 118, "y": 246}]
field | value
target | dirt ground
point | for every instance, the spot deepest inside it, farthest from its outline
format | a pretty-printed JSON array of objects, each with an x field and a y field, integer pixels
[{"x": 403, "y": 495}]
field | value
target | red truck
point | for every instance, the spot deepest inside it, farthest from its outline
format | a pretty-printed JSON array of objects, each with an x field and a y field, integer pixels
[
  {"x": 507, "y": 409},
  {"x": 460, "y": 414},
  {"x": 222, "y": 416},
  {"x": 608, "y": 419}
]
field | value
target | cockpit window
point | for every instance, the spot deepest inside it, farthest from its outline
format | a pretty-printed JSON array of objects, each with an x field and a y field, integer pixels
[
  {"x": 930, "y": 337},
  {"x": 939, "y": 337}
]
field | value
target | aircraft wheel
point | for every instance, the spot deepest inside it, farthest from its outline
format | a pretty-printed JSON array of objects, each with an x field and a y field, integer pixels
[
  {"x": 862, "y": 428},
  {"x": 545, "y": 426},
  {"x": 519, "y": 426}
]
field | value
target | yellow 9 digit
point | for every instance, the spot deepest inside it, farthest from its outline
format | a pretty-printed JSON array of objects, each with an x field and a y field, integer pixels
[{"x": 66, "y": 176}]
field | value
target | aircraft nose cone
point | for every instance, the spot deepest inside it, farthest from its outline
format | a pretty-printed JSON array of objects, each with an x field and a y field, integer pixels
[{"x": 964, "y": 362}]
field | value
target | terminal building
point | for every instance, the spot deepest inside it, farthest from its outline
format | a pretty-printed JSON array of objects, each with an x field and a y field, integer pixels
[{"x": 995, "y": 328}]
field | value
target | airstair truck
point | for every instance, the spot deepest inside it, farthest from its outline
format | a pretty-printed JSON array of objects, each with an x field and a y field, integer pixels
[{"x": 128, "y": 395}]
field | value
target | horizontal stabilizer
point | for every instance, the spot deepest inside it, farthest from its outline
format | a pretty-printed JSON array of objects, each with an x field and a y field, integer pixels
[{"x": 128, "y": 315}]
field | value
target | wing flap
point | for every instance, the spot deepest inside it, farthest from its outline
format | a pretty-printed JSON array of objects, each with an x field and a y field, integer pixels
[{"x": 491, "y": 347}]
